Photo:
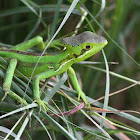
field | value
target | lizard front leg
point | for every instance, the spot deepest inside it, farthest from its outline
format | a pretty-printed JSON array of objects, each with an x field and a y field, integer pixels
[
  {"x": 76, "y": 85},
  {"x": 36, "y": 93},
  {"x": 8, "y": 80}
]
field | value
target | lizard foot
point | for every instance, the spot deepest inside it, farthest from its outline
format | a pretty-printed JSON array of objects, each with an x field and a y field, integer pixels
[
  {"x": 14, "y": 96},
  {"x": 82, "y": 95},
  {"x": 18, "y": 98},
  {"x": 42, "y": 104}
]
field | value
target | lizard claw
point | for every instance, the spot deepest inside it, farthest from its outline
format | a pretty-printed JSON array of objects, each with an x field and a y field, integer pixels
[
  {"x": 42, "y": 104},
  {"x": 3, "y": 98},
  {"x": 79, "y": 97}
]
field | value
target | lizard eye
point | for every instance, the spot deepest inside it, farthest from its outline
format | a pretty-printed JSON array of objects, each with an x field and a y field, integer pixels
[{"x": 88, "y": 47}]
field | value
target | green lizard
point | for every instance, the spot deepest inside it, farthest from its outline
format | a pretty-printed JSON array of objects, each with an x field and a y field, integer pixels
[{"x": 77, "y": 48}]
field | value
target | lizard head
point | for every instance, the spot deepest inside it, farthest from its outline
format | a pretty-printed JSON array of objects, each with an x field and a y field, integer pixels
[{"x": 85, "y": 45}]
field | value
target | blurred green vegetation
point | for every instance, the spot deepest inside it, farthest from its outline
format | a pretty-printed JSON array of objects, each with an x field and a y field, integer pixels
[{"x": 121, "y": 21}]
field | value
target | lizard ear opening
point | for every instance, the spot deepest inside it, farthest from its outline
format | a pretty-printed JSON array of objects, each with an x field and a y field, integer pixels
[{"x": 75, "y": 55}]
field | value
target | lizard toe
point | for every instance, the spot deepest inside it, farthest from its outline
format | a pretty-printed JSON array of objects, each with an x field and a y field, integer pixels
[{"x": 42, "y": 105}]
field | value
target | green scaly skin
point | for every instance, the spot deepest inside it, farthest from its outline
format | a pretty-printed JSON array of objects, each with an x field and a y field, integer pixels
[{"x": 49, "y": 64}]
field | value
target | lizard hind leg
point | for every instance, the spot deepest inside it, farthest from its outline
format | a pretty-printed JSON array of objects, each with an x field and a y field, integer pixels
[
  {"x": 7, "y": 83},
  {"x": 8, "y": 77}
]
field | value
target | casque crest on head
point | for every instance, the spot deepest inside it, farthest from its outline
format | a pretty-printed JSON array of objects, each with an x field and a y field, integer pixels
[{"x": 83, "y": 38}]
